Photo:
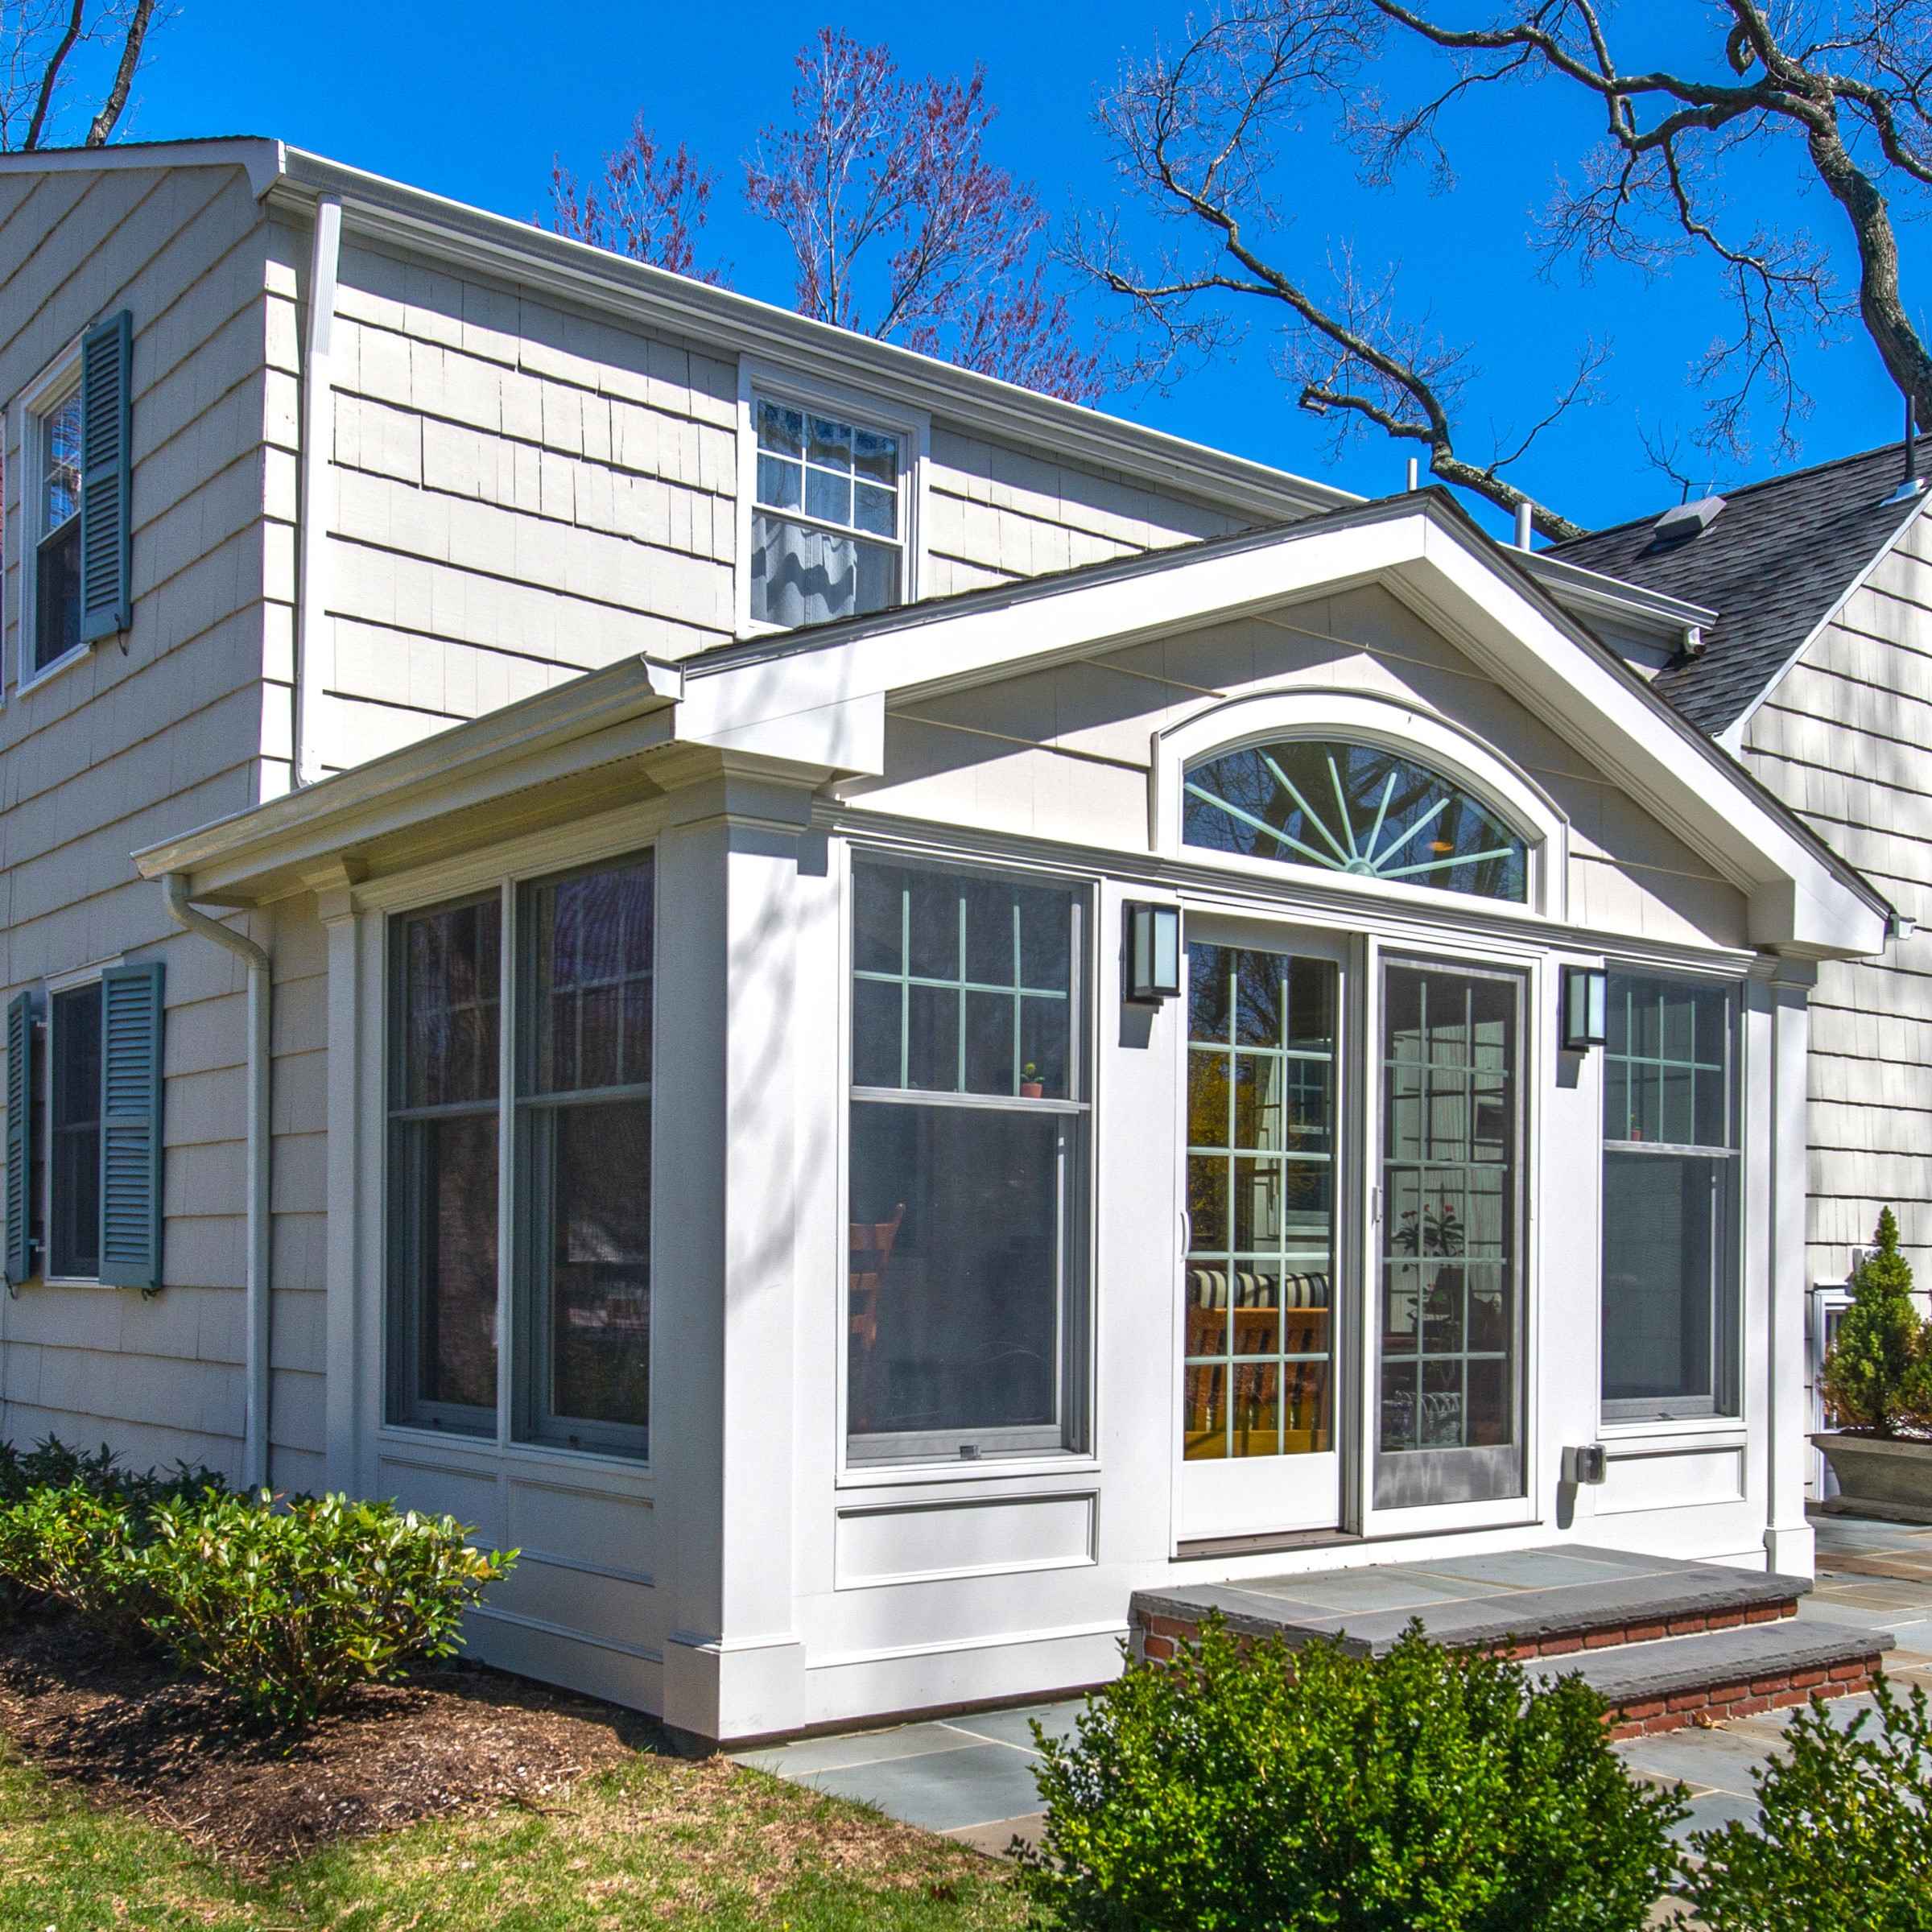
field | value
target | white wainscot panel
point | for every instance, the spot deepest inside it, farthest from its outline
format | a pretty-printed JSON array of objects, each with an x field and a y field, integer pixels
[
  {"x": 585, "y": 1605},
  {"x": 472, "y": 1496},
  {"x": 1673, "y": 1479},
  {"x": 584, "y": 1529},
  {"x": 977, "y": 1536}
]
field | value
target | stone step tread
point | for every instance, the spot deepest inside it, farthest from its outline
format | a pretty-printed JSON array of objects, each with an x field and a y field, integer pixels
[
  {"x": 1626, "y": 1674},
  {"x": 1642, "y": 1592}
]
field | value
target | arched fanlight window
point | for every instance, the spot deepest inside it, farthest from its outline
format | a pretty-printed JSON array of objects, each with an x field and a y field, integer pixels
[{"x": 1351, "y": 807}]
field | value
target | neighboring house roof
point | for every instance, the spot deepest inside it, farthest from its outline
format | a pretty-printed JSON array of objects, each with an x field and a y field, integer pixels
[
  {"x": 1779, "y": 559},
  {"x": 818, "y": 699}
]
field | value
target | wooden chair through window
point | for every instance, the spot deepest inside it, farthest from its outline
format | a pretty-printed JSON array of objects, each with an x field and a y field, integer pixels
[{"x": 871, "y": 1243}]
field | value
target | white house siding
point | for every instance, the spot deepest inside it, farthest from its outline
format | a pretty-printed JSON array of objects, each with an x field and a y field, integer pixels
[
  {"x": 125, "y": 746},
  {"x": 520, "y": 494},
  {"x": 523, "y": 491},
  {"x": 1845, "y": 738},
  {"x": 1066, "y": 753},
  {"x": 994, "y": 514}
]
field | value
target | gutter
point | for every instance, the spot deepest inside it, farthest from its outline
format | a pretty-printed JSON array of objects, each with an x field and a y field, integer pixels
[
  {"x": 175, "y": 887},
  {"x": 316, "y": 499}
]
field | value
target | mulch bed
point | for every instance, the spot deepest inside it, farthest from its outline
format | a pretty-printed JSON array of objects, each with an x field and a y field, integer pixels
[{"x": 137, "y": 1735}]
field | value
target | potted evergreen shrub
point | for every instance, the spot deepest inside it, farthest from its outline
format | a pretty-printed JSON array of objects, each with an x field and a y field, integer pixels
[{"x": 1878, "y": 1380}]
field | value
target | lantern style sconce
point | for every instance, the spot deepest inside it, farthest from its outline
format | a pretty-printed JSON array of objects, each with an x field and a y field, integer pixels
[
  {"x": 1586, "y": 1000},
  {"x": 1153, "y": 952}
]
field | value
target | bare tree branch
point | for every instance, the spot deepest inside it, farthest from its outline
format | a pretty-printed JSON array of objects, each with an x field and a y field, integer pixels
[
  {"x": 1653, "y": 193},
  {"x": 112, "y": 109},
  {"x": 56, "y": 56},
  {"x": 1194, "y": 136}
]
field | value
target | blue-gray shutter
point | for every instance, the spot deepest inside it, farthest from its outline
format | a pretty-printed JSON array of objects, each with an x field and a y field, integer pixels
[
  {"x": 131, "y": 1126},
  {"x": 106, "y": 477},
  {"x": 19, "y": 1138}
]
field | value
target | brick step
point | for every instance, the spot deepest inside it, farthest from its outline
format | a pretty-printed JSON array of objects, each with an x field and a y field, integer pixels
[
  {"x": 1666, "y": 1685},
  {"x": 1550, "y": 1603}
]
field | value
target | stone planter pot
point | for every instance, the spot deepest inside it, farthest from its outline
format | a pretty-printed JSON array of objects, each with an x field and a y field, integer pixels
[{"x": 1877, "y": 1477}]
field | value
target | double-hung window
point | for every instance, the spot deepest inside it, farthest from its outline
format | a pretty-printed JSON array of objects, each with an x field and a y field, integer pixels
[
  {"x": 1670, "y": 1200},
  {"x": 578, "y": 1004},
  {"x": 53, "y": 435},
  {"x": 965, "y": 1300},
  {"x": 828, "y": 520}
]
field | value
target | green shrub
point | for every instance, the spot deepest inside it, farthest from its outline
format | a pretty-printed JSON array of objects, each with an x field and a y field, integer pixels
[
  {"x": 73, "y": 1545},
  {"x": 1878, "y": 1375},
  {"x": 292, "y": 1607},
  {"x": 1844, "y": 1842},
  {"x": 72, "y": 1522},
  {"x": 1423, "y": 1791}
]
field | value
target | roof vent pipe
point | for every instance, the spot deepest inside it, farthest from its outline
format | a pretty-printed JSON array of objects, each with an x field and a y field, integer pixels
[
  {"x": 1524, "y": 523},
  {"x": 1415, "y": 476},
  {"x": 1911, "y": 484}
]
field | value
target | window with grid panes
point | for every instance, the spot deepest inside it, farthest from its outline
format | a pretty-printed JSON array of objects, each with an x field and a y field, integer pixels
[
  {"x": 828, "y": 521},
  {"x": 1670, "y": 1185},
  {"x": 965, "y": 1307}
]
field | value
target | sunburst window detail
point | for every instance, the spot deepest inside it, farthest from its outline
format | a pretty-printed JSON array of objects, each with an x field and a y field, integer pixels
[{"x": 1356, "y": 808}]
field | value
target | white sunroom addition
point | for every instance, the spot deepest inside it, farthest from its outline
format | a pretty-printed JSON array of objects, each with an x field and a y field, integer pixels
[{"x": 848, "y": 1293}]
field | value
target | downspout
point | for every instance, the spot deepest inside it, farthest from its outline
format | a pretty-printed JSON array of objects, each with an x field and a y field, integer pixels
[
  {"x": 316, "y": 504},
  {"x": 255, "y": 1452}
]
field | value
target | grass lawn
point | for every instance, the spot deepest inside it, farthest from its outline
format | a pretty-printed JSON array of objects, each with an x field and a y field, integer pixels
[{"x": 659, "y": 1843}]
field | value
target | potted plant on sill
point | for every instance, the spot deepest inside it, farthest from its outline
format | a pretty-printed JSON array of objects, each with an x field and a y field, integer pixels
[
  {"x": 1032, "y": 1087},
  {"x": 1877, "y": 1379}
]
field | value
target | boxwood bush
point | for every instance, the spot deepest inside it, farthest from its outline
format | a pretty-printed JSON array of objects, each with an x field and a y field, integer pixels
[
  {"x": 1844, "y": 1839},
  {"x": 290, "y": 1604},
  {"x": 1421, "y": 1791},
  {"x": 290, "y": 1608}
]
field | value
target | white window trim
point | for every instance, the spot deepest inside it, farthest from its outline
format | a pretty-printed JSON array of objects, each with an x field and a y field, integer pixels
[
  {"x": 866, "y": 411},
  {"x": 1404, "y": 728},
  {"x": 897, "y": 1471},
  {"x": 57, "y": 984},
  {"x": 53, "y": 385},
  {"x": 503, "y": 871}
]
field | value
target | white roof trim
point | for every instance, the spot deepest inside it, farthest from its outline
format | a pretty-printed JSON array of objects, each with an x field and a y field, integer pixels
[
  {"x": 262, "y": 159},
  {"x": 465, "y": 236},
  {"x": 1731, "y": 738},
  {"x": 1591, "y": 593},
  {"x": 1803, "y": 900}
]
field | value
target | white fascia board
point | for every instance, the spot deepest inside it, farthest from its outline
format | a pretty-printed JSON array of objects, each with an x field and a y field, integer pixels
[
  {"x": 261, "y": 158},
  {"x": 1591, "y": 593},
  {"x": 1799, "y": 901},
  {"x": 463, "y": 237},
  {"x": 463, "y": 766}
]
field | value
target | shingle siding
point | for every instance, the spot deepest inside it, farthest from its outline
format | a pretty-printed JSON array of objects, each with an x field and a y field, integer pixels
[
  {"x": 1845, "y": 737},
  {"x": 127, "y": 744}
]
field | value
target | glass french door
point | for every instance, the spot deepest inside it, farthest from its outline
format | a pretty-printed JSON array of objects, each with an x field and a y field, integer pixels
[
  {"x": 1260, "y": 1279},
  {"x": 1449, "y": 1237}
]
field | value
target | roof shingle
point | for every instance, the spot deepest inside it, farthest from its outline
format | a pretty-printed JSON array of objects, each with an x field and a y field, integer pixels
[{"x": 1773, "y": 565}]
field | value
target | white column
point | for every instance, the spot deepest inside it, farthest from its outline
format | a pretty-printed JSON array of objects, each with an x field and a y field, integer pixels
[
  {"x": 724, "y": 1301},
  {"x": 1789, "y": 1543},
  {"x": 341, "y": 923}
]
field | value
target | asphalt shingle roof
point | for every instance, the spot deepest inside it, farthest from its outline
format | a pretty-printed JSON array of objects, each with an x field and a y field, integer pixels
[{"x": 1778, "y": 558}]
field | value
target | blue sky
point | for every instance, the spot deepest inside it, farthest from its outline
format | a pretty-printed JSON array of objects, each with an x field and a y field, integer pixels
[{"x": 473, "y": 102}]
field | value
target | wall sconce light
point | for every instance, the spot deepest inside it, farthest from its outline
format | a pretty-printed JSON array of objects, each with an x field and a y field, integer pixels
[
  {"x": 1586, "y": 1001},
  {"x": 1153, "y": 952}
]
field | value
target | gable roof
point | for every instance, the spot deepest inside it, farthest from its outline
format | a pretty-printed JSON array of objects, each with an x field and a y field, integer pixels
[
  {"x": 1780, "y": 558},
  {"x": 464, "y": 238},
  {"x": 816, "y": 701}
]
